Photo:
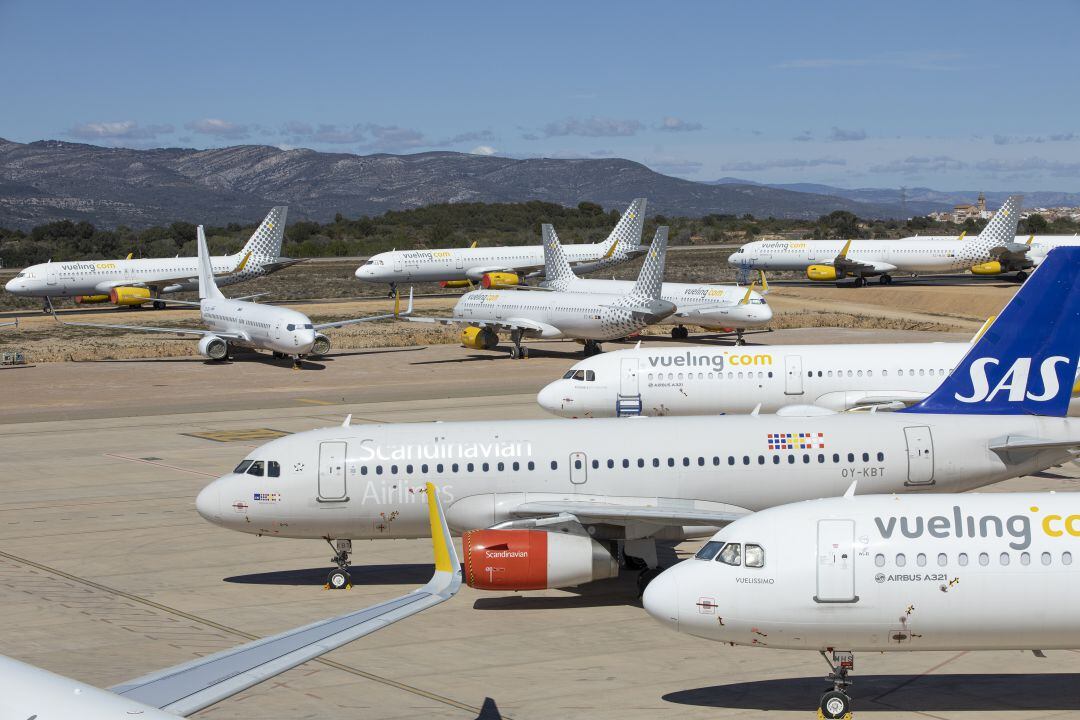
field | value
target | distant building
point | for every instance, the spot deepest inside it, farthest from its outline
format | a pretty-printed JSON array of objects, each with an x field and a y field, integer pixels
[{"x": 977, "y": 211}]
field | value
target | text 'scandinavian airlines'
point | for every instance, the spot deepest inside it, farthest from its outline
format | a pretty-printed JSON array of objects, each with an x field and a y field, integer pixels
[
  {"x": 550, "y": 314},
  {"x": 547, "y": 503},
  {"x": 135, "y": 282},
  {"x": 832, "y": 260},
  {"x": 714, "y": 307},
  {"x": 239, "y": 323},
  {"x": 31, "y": 692},
  {"x": 703, "y": 380},
  {"x": 999, "y": 571},
  {"x": 500, "y": 267}
]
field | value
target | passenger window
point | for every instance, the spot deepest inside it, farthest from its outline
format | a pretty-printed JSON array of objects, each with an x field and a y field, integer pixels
[
  {"x": 962, "y": 559},
  {"x": 242, "y": 467},
  {"x": 836, "y": 457},
  {"x": 760, "y": 459},
  {"x": 256, "y": 468},
  {"x": 731, "y": 460},
  {"x": 775, "y": 459},
  {"x": 806, "y": 459},
  {"x": 656, "y": 462},
  {"x": 942, "y": 559},
  {"x": 791, "y": 459},
  {"x": 439, "y": 468},
  {"x": 745, "y": 459},
  {"x": 641, "y": 462},
  {"x": 820, "y": 458},
  {"x": 701, "y": 462},
  {"x": 378, "y": 469},
  {"x": 731, "y": 554},
  {"x": 363, "y": 469},
  {"x": 554, "y": 465},
  {"x": 755, "y": 556},
  {"x": 393, "y": 469},
  {"x": 1004, "y": 558},
  {"x": 901, "y": 560},
  {"x": 879, "y": 560},
  {"x": 851, "y": 457},
  {"x": 485, "y": 467},
  {"x": 671, "y": 462},
  {"x": 920, "y": 559},
  {"x": 881, "y": 456},
  {"x": 502, "y": 467},
  {"x": 454, "y": 467},
  {"x": 1045, "y": 558},
  {"x": 424, "y": 468},
  {"x": 708, "y": 550},
  {"x": 610, "y": 464},
  {"x": 532, "y": 465},
  {"x": 626, "y": 462},
  {"x": 866, "y": 457},
  {"x": 1025, "y": 558},
  {"x": 408, "y": 469},
  {"x": 468, "y": 467},
  {"x": 686, "y": 462},
  {"x": 1066, "y": 558},
  {"x": 984, "y": 559}
]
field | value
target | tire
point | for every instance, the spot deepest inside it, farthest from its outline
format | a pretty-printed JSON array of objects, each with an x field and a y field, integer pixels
[
  {"x": 860, "y": 282},
  {"x": 338, "y": 580},
  {"x": 885, "y": 280},
  {"x": 159, "y": 305},
  {"x": 514, "y": 352},
  {"x": 1021, "y": 276},
  {"x": 524, "y": 353},
  {"x": 740, "y": 341},
  {"x": 834, "y": 705}
]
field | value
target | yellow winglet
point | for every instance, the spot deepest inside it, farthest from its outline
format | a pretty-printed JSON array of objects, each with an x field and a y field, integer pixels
[
  {"x": 985, "y": 326},
  {"x": 473, "y": 246},
  {"x": 1030, "y": 239},
  {"x": 243, "y": 262},
  {"x": 962, "y": 236},
  {"x": 611, "y": 251},
  {"x": 1076, "y": 389},
  {"x": 439, "y": 536},
  {"x": 843, "y": 253},
  {"x": 749, "y": 292},
  {"x": 130, "y": 254},
  {"x": 764, "y": 282}
]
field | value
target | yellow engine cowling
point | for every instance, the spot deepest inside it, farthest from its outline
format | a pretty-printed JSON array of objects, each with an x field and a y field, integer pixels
[
  {"x": 479, "y": 338},
  {"x": 455, "y": 284},
  {"x": 499, "y": 281},
  {"x": 824, "y": 273},
  {"x": 90, "y": 299},
  {"x": 129, "y": 296},
  {"x": 987, "y": 268}
]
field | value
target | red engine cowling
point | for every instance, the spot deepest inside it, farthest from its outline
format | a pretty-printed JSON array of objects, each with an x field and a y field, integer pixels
[{"x": 533, "y": 560}]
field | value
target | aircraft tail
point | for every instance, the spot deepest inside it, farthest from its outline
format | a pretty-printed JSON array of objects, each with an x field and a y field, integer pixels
[
  {"x": 1000, "y": 231},
  {"x": 558, "y": 275},
  {"x": 651, "y": 278},
  {"x": 626, "y": 236},
  {"x": 265, "y": 243},
  {"x": 1025, "y": 362},
  {"x": 207, "y": 287}
]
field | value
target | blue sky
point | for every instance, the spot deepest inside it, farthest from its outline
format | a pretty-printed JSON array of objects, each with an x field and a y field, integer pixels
[{"x": 957, "y": 95}]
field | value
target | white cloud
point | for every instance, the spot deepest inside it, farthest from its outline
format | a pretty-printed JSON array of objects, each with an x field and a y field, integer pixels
[
  {"x": 483, "y": 150},
  {"x": 841, "y": 135},
  {"x": 592, "y": 127},
  {"x": 118, "y": 130},
  {"x": 219, "y": 128},
  {"x": 674, "y": 124}
]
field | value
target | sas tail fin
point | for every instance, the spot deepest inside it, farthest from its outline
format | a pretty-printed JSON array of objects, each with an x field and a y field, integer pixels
[
  {"x": 626, "y": 236},
  {"x": 1025, "y": 362},
  {"x": 651, "y": 278},
  {"x": 265, "y": 242},
  {"x": 1001, "y": 230},
  {"x": 207, "y": 287},
  {"x": 558, "y": 275}
]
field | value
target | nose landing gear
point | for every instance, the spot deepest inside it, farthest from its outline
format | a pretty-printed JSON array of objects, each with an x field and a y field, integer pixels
[
  {"x": 835, "y": 704},
  {"x": 592, "y": 348},
  {"x": 339, "y": 579}
]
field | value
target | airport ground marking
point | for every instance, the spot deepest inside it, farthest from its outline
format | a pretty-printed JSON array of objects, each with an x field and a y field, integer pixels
[{"x": 160, "y": 464}]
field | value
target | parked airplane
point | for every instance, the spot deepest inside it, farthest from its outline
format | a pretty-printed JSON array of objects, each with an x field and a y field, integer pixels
[
  {"x": 885, "y": 573},
  {"x": 136, "y": 282},
  {"x": 239, "y": 323},
  {"x": 550, "y": 503},
  {"x": 589, "y": 317},
  {"x": 834, "y": 260},
  {"x": 714, "y": 307},
  {"x": 31, "y": 692},
  {"x": 502, "y": 267}
]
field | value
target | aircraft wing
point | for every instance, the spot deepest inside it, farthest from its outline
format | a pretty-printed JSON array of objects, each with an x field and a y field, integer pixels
[
  {"x": 172, "y": 331},
  {"x": 523, "y": 324},
  {"x": 371, "y": 318},
  {"x": 622, "y": 514},
  {"x": 188, "y": 688},
  {"x": 1032, "y": 444},
  {"x": 476, "y": 273}
]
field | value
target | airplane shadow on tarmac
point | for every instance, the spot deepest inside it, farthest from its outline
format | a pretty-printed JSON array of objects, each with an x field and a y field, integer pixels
[
  {"x": 601, "y": 593},
  {"x": 907, "y": 693},
  {"x": 410, "y": 574}
]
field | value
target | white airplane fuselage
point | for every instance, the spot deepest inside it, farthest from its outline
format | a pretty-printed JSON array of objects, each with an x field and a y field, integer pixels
[
  {"x": 264, "y": 327},
  {"x": 363, "y": 481},
  {"x": 908, "y": 255},
  {"x": 888, "y": 573}
]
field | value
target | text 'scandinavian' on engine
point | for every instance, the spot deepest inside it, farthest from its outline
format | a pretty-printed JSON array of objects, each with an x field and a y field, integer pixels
[
  {"x": 136, "y": 282},
  {"x": 183, "y": 690},
  {"x": 552, "y": 314},
  {"x": 714, "y": 307},
  {"x": 502, "y": 267},
  {"x": 857, "y": 260},
  {"x": 886, "y": 573},
  {"x": 230, "y": 324},
  {"x": 551, "y": 503}
]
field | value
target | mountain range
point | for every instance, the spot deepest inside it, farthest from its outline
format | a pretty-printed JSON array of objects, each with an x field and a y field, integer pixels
[{"x": 53, "y": 180}]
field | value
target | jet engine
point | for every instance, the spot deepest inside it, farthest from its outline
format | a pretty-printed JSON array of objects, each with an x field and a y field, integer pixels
[
  {"x": 90, "y": 299},
  {"x": 824, "y": 273},
  {"x": 533, "y": 560},
  {"x": 479, "y": 338},
  {"x": 455, "y": 283},
  {"x": 321, "y": 346},
  {"x": 214, "y": 347},
  {"x": 499, "y": 280},
  {"x": 987, "y": 268},
  {"x": 129, "y": 296}
]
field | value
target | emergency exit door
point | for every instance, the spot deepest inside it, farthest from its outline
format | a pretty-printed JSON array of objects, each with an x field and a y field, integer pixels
[
  {"x": 920, "y": 453},
  {"x": 836, "y": 562},
  {"x": 793, "y": 384},
  {"x": 332, "y": 472}
]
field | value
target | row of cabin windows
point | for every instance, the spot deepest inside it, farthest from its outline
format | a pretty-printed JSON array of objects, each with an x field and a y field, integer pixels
[
  {"x": 454, "y": 467},
  {"x": 259, "y": 468},
  {"x": 731, "y": 460},
  {"x": 751, "y": 375},
  {"x": 983, "y": 559},
  {"x": 732, "y": 553}
]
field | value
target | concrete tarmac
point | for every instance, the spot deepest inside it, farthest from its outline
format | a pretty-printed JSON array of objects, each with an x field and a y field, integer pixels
[{"x": 107, "y": 572}]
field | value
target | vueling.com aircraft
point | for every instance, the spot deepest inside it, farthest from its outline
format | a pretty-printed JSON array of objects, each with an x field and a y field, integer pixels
[
  {"x": 136, "y": 282},
  {"x": 551, "y": 503}
]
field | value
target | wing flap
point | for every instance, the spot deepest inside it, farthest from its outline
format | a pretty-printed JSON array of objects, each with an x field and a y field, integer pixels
[{"x": 622, "y": 514}]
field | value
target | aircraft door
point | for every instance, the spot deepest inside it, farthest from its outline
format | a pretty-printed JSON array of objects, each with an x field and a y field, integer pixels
[
  {"x": 793, "y": 385},
  {"x": 277, "y": 330},
  {"x": 836, "y": 562},
  {"x": 579, "y": 468},
  {"x": 920, "y": 453},
  {"x": 459, "y": 263},
  {"x": 332, "y": 472},
  {"x": 397, "y": 264},
  {"x": 50, "y": 275},
  {"x": 628, "y": 384}
]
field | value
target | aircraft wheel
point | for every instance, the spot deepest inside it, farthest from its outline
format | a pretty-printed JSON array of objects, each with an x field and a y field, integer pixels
[
  {"x": 834, "y": 705},
  {"x": 1021, "y": 276},
  {"x": 860, "y": 281},
  {"x": 740, "y": 341},
  {"x": 885, "y": 279},
  {"x": 524, "y": 353},
  {"x": 515, "y": 353},
  {"x": 159, "y": 305},
  {"x": 338, "y": 580},
  {"x": 679, "y": 333}
]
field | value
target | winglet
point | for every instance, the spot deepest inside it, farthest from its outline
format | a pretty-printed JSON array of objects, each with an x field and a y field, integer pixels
[
  {"x": 130, "y": 255},
  {"x": 1030, "y": 239},
  {"x": 985, "y": 326},
  {"x": 240, "y": 267},
  {"x": 749, "y": 292},
  {"x": 638, "y": 346},
  {"x": 756, "y": 411},
  {"x": 348, "y": 420},
  {"x": 962, "y": 236},
  {"x": 446, "y": 558},
  {"x": 473, "y": 246},
  {"x": 843, "y": 253},
  {"x": 764, "y": 283},
  {"x": 397, "y": 304},
  {"x": 850, "y": 492}
]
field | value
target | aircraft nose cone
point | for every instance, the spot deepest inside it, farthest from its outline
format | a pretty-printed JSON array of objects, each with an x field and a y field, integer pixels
[
  {"x": 13, "y": 285},
  {"x": 661, "y": 599},
  {"x": 553, "y": 399},
  {"x": 208, "y": 503},
  {"x": 766, "y": 312}
]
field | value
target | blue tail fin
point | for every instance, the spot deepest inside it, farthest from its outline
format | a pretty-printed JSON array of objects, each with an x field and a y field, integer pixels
[{"x": 1025, "y": 363}]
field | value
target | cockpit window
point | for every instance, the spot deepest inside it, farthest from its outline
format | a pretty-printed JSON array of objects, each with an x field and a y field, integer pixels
[
  {"x": 569, "y": 375},
  {"x": 242, "y": 467},
  {"x": 273, "y": 469},
  {"x": 290, "y": 327},
  {"x": 731, "y": 554},
  {"x": 757, "y": 301},
  {"x": 590, "y": 376},
  {"x": 708, "y": 550},
  {"x": 309, "y": 326},
  {"x": 755, "y": 555},
  {"x": 256, "y": 468}
]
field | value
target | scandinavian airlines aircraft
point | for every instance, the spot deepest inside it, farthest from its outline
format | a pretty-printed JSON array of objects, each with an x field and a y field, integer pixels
[
  {"x": 834, "y": 260},
  {"x": 239, "y": 323},
  {"x": 549, "y": 314},
  {"x": 714, "y": 307},
  {"x": 502, "y": 267},
  {"x": 30, "y": 692},
  {"x": 885, "y": 573},
  {"x": 135, "y": 282},
  {"x": 551, "y": 503}
]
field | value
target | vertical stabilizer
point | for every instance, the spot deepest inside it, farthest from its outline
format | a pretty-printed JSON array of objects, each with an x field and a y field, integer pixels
[
  {"x": 265, "y": 243},
  {"x": 627, "y": 233},
  {"x": 207, "y": 287},
  {"x": 651, "y": 279},
  {"x": 558, "y": 275},
  {"x": 998, "y": 233}
]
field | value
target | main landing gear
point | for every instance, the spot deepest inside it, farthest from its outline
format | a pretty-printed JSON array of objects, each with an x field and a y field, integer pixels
[
  {"x": 836, "y": 703},
  {"x": 679, "y": 333},
  {"x": 340, "y": 579},
  {"x": 885, "y": 279},
  {"x": 517, "y": 351},
  {"x": 738, "y": 337},
  {"x": 393, "y": 291},
  {"x": 1020, "y": 276},
  {"x": 592, "y": 348}
]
